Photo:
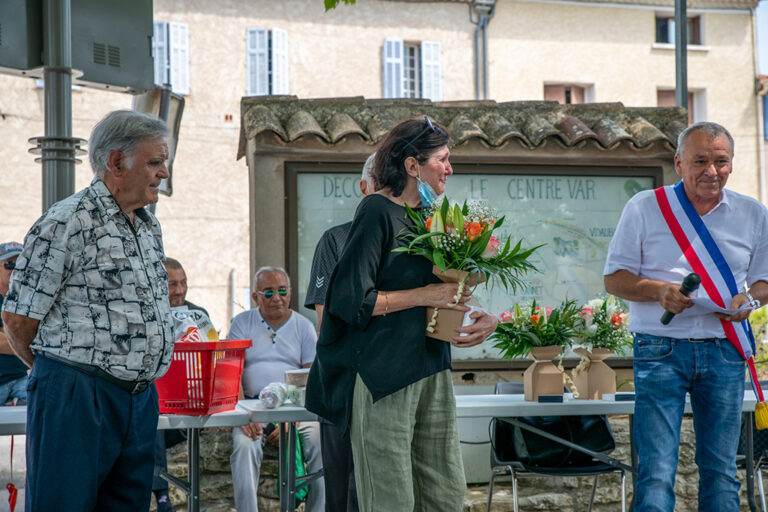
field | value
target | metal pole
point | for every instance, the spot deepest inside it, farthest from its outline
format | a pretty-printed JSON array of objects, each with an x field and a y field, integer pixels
[
  {"x": 681, "y": 54},
  {"x": 58, "y": 148}
]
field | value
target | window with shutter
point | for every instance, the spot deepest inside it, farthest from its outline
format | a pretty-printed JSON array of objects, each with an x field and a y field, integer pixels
[
  {"x": 392, "y": 69},
  {"x": 178, "y": 35},
  {"x": 431, "y": 71},
  {"x": 257, "y": 62},
  {"x": 279, "y": 59},
  {"x": 160, "y": 52},
  {"x": 266, "y": 62},
  {"x": 170, "y": 47}
]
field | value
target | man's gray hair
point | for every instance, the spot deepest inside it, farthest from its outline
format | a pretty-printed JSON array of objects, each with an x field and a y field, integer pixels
[
  {"x": 268, "y": 270},
  {"x": 367, "y": 175},
  {"x": 711, "y": 129},
  {"x": 121, "y": 130}
]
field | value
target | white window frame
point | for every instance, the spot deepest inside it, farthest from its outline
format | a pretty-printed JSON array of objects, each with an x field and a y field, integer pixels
[
  {"x": 170, "y": 48},
  {"x": 266, "y": 62}
]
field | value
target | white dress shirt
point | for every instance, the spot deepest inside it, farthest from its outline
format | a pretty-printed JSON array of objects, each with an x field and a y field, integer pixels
[{"x": 644, "y": 245}]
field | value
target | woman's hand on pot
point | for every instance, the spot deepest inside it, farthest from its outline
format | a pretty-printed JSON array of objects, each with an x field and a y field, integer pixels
[
  {"x": 442, "y": 295},
  {"x": 484, "y": 325}
]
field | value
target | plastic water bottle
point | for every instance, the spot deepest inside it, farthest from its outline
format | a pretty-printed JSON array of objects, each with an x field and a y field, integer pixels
[{"x": 273, "y": 394}]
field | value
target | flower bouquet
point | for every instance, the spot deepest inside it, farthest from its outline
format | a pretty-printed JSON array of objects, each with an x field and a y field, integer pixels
[
  {"x": 541, "y": 332},
  {"x": 602, "y": 329},
  {"x": 459, "y": 241}
]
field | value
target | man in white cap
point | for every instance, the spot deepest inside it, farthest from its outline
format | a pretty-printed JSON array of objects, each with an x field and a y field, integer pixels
[{"x": 13, "y": 372}]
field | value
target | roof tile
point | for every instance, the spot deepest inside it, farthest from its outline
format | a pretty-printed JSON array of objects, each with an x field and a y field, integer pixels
[{"x": 533, "y": 123}]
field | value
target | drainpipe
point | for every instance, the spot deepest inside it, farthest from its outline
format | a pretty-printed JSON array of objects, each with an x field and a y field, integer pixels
[
  {"x": 759, "y": 99},
  {"x": 681, "y": 54},
  {"x": 480, "y": 13}
]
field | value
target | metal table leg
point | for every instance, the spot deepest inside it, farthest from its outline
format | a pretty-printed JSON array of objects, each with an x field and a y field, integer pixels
[
  {"x": 190, "y": 487},
  {"x": 193, "y": 460},
  {"x": 287, "y": 466}
]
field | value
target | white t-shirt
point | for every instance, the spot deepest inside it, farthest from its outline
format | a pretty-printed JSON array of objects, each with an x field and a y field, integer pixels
[
  {"x": 291, "y": 347},
  {"x": 644, "y": 245}
]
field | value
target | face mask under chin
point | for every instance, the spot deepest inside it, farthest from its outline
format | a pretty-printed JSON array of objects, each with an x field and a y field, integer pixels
[{"x": 426, "y": 192}]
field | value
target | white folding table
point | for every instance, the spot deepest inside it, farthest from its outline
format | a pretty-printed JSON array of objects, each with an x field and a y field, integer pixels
[{"x": 511, "y": 407}]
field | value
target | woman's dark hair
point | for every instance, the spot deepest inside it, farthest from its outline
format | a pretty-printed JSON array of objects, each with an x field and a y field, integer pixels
[{"x": 418, "y": 138}]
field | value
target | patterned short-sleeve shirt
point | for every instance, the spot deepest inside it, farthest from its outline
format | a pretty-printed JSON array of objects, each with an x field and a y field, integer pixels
[{"x": 98, "y": 286}]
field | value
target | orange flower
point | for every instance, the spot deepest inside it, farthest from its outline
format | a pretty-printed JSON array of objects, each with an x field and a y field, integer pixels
[
  {"x": 616, "y": 320},
  {"x": 428, "y": 222},
  {"x": 535, "y": 319},
  {"x": 473, "y": 230}
]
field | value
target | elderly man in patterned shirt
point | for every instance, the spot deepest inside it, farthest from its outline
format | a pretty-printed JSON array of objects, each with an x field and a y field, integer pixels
[{"x": 87, "y": 310}]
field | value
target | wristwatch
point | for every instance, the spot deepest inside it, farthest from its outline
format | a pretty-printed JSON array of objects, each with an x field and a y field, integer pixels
[{"x": 750, "y": 298}]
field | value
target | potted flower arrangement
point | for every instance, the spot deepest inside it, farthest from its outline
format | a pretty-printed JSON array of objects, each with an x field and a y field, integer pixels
[
  {"x": 459, "y": 240},
  {"x": 602, "y": 330},
  {"x": 541, "y": 332}
]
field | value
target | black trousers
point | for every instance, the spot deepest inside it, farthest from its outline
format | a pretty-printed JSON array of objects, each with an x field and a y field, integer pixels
[{"x": 338, "y": 470}]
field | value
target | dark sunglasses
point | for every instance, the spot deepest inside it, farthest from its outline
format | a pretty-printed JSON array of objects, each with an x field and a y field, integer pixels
[
  {"x": 430, "y": 128},
  {"x": 9, "y": 265},
  {"x": 268, "y": 294}
]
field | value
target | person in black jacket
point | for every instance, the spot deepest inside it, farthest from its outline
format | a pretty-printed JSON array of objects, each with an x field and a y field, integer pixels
[{"x": 376, "y": 372}]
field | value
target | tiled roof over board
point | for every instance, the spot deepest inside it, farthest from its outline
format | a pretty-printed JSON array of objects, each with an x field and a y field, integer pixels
[{"x": 529, "y": 123}]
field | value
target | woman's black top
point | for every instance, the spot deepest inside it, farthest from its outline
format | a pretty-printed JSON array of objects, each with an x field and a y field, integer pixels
[{"x": 388, "y": 351}]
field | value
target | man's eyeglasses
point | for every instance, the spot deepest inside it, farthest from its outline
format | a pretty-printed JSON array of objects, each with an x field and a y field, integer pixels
[
  {"x": 9, "y": 265},
  {"x": 430, "y": 128},
  {"x": 269, "y": 293}
]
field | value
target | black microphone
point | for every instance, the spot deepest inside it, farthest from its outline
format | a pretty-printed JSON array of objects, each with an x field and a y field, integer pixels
[{"x": 690, "y": 283}]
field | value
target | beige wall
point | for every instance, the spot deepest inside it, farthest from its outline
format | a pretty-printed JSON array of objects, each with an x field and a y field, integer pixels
[
  {"x": 612, "y": 48},
  {"x": 206, "y": 221}
]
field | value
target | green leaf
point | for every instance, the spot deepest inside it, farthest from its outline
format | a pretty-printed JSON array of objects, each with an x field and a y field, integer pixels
[
  {"x": 437, "y": 259},
  {"x": 444, "y": 209}
]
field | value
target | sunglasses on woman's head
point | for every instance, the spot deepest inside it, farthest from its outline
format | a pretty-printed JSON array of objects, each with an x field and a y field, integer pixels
[
  {"x": 429, "y": 128},
  {"x": 269, "y": 293}
]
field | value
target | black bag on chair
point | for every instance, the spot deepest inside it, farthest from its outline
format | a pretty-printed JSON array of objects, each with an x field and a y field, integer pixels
[{"x": 591, "y": 432}]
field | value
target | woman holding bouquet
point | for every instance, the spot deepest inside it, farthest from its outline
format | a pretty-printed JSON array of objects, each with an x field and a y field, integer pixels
[{"x": 376, "y": 372}]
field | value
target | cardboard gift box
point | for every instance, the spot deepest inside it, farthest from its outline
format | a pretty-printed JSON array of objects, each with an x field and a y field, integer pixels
[
  {"x": 543, "y": 377},
  {"x": 448, "y": 319},
  {"x": 596, "y": 378}
]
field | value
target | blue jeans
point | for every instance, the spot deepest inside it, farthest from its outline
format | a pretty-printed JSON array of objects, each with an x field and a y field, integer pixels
[
  {"x": 665, "y": 369},
  {"x": 14, "y": 389}
]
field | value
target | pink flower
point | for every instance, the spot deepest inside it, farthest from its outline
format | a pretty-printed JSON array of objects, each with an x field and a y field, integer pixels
[
  {"x": 586, "y": 313},
  {"x": 492, "y": 248},
  {"x": 506, "y": 317},
  {"x": 548, "y": 310}
]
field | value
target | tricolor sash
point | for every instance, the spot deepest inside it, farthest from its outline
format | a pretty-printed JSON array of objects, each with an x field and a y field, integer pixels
[{"x": 705, "y": 258}]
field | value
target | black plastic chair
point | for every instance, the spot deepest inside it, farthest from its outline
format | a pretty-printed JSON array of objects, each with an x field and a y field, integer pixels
[
  {"x": 504, "y": 459},
  {"x": 759, "y": 450}
]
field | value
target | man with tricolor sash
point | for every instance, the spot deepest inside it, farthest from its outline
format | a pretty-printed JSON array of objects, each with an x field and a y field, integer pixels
[{"x": 695, "y": 226}]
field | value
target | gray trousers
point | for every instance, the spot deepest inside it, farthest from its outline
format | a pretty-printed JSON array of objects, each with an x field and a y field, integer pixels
[{"x": 246, "y": 458}]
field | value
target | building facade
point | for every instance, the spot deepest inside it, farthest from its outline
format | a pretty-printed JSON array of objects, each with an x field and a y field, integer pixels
[{"x": 215, "y": 53}]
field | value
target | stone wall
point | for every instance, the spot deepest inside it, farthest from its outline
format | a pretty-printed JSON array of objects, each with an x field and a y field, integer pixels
[{"x": 537, "y": 494}]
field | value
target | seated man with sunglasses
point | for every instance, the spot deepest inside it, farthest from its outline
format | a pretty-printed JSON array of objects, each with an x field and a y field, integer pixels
[
  {"x": 282, "y": 340},
  {"x": 13, "y": 372}
]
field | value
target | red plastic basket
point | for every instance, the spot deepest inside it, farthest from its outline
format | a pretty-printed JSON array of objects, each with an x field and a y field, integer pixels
[{"x": 204, "y": 377}]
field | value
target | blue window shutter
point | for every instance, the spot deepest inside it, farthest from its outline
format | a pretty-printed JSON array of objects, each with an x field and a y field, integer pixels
[
  {"x": 392, "y": 71},
  {"x": 431, "y": 71},
  {"x": 279, "y": 61},
  {"x": 257, "y": 62},
  {"x": 160, "y": 51}
]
